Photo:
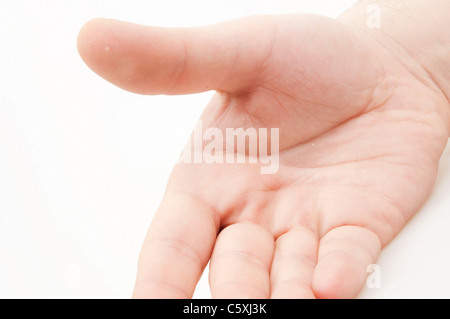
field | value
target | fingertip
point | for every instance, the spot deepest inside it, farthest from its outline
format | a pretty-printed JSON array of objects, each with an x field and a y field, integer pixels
[
  {"x": 151, "y": 289},
  {"x": 88, "y": 36},
  {"x": 94, "y": 46},
  {"x": 337, "y": 278},
  {"x": 107, "y": 47},
  {"x": 136, "y": 58},
  {"x": 344, "y": 254}
]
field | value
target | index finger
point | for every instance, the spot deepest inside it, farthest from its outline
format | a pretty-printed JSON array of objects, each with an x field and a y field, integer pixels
[{"x": 177, "y": 248}]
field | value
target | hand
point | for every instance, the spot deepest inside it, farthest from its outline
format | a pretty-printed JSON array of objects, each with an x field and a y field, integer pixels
[{"x": 361, "y": 135}]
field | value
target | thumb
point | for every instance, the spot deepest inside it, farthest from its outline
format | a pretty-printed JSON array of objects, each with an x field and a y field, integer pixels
[{"x": 227, "y": 56}]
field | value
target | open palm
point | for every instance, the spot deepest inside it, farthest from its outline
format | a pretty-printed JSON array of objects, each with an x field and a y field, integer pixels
[{"x": 360, "y": 140}]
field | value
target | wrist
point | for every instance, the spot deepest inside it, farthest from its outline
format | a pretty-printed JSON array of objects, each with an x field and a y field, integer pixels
[{"x": 417, "y": 32}]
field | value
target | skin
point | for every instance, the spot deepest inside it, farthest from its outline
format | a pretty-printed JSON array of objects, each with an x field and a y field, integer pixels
[{"x": 362, "y": 128}]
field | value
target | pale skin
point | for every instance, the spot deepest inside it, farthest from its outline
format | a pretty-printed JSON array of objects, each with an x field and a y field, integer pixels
[{"x": 363, "y": 123}]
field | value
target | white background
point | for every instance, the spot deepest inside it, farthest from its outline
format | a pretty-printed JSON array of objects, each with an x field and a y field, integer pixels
[{"x": 83, "y": 164}]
